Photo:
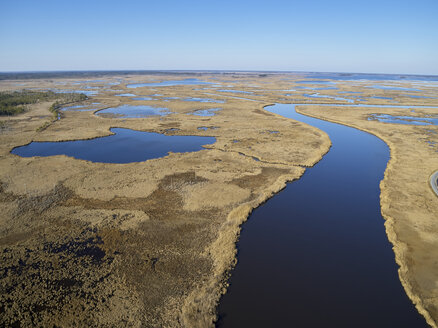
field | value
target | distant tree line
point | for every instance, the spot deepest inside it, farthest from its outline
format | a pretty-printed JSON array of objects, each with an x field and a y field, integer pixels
[
  {"x": 15, "y": 102},
  {"x": 86, "y": 74}
]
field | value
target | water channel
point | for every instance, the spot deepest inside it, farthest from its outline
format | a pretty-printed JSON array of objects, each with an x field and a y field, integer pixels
[{"x": 316, "y": 254}]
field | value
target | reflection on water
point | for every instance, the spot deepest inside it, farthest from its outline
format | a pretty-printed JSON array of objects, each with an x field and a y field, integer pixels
[{"x": 125, "y": 146}]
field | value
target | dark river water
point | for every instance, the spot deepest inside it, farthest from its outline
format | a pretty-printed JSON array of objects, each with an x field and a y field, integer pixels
[{"x": 316, "y": 254}]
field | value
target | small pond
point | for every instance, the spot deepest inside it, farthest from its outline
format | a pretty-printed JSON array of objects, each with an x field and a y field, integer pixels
[{"x": 124, "y": 146}]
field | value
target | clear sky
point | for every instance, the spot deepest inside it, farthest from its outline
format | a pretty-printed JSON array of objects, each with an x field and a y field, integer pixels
[{"x": 386, "y": 36}]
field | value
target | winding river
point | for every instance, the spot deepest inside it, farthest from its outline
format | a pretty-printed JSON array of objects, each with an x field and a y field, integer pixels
[{"x": 316, "y": 254}]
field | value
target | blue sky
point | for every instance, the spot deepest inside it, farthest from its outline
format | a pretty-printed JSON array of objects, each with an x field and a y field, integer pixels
[{"x": 384, "y": 36}]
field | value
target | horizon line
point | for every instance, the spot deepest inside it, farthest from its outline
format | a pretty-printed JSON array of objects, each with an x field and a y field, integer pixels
[{"x": 204, "y": 71}]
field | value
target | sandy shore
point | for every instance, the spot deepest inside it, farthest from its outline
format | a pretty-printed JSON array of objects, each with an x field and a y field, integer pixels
[{"x": 150, "y": 244}]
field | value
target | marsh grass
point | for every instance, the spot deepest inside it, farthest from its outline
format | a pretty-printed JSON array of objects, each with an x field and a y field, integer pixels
[{"x": 3, "y": 126}]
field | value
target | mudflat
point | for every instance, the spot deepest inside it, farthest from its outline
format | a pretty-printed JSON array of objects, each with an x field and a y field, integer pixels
[{"x": 151, "y": 243}]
